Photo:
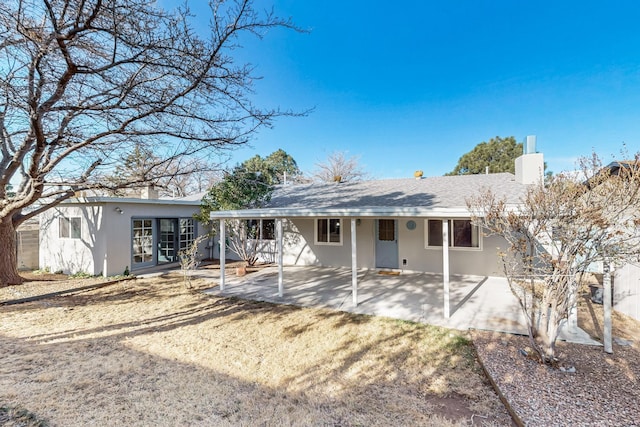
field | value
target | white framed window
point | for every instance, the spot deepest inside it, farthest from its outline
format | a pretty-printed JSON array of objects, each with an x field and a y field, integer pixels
[
  {"x": 462, "y": 234},
  {"x": 268, "y": 229},
  {"x": 70, "y": 227},
  {"x": 263, "y": 229},
  {"x": 328, "y": 231}
]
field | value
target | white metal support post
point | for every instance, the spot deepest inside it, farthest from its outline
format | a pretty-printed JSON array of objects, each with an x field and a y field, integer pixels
[
  {"x": 223, "y": 253},
  {"x": 354, "y": 263},
  {"x": 606, "y": 304},
  {"x": 280, "y": 250},
  {"x": 445, "y": 266}
]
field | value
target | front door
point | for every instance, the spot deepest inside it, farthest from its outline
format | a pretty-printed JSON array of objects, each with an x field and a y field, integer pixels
[{"x": 386, "y": 243}]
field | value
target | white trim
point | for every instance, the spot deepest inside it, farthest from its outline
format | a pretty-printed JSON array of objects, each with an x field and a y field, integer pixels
[
  {"x": 223, "y": 254},
  {"x": 260, "y": 236},
  {"x": 70, "y": 228},
  {"x": 128, "y": 200},
  {"x": 390, "y": 212},
  {"x": 280, "y": 243},
  {"x": 606, "y": 306},
  {"x": 445, "y": 268},
  {"x": 315, "y": 232},
  {"x": 354, "y": 263},
  {"x": 453, "y": 248}
]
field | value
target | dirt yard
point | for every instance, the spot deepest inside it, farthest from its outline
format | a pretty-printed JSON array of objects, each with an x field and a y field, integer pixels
[{"x": 149, "y": 352}]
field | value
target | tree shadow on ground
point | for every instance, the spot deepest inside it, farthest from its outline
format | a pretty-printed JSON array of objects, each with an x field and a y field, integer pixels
[{"x": 201, "y": 360}]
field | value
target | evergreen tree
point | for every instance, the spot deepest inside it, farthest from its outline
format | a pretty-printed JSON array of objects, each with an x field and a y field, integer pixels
[
  {"x": 274, "y": 167},
  {"x": 498, "y": 154}
]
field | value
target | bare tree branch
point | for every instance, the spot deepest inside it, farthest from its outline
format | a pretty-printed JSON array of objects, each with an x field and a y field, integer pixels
[
  {"x": 562, "y": 228},
  {"x": 339, "y": 167},
  {"x": 83, "y": 81}
]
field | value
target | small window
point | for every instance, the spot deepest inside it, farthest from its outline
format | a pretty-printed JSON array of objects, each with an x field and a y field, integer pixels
[
  {"x": 462, "y": 234},
  {"x": 434, "y": 232},
  {"x": 465, "y": 234},
  {"x": 70, "y": 227},
  {"x": 268, "y": 229},
  {"x": 253, "y": 229},
  {"x": 263, "y": 229},
  {"x": 386, "y": 230},
  {"x": 328, "y": 231}
]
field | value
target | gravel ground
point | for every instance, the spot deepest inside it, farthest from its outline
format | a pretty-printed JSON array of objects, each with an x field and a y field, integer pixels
[{"x": 604, "y": 390}]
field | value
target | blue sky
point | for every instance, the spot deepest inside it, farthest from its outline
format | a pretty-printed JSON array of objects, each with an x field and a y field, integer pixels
[{"x": 410, "y": 85}]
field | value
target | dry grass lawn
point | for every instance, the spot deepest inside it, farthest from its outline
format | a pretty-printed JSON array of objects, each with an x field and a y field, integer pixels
[{"x": 149, "y": 352}]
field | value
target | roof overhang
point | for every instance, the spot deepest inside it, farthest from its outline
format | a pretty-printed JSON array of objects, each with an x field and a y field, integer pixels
[
  {"x": 342, "y": 212},
  {"x": 129, "y": 200}
]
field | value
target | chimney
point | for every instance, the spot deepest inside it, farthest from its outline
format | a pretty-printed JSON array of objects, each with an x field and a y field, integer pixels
[
  {"x": 149, "y": 192},
  {"x": 530, "y": 166}
]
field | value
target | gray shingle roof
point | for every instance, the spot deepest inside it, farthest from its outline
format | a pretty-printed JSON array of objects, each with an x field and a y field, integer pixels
[
  {"x": 443, "y": 196},
  {"x": 433, "y": 192}
]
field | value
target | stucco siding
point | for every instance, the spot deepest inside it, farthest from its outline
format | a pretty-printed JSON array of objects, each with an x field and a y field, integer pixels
[
  {"x": 118, "y": 231},
  {"x": 484, "y": 262},
  {"x": 412, "y": 248},
  {"x": 105, "y": 246},
  {"x": 28, "y": 245},
  {"x": 117, "y": 237},
  {"x": 626, "y": 290},
  {"x": 300, "y": 249},
  {"x": 303, "y": 251},
  {"x": 72, "y": 255},
  {"x": 366, "y": 245}
]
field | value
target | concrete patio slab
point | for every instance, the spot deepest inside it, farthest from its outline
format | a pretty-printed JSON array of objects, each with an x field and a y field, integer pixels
[{"x": 476, "y": 302}]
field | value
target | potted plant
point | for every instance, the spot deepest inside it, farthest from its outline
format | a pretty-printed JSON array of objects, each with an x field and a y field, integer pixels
[{"x": 241, "y": 269}]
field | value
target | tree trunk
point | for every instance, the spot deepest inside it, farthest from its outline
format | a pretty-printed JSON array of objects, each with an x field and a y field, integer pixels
[
  {"x": 544, "y": 342},
  {"x": 8, "y": 256}
]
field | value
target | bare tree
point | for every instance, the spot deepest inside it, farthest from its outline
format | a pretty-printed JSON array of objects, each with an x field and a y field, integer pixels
[
  {"x": 190, "y": 260},
  {"x": 338, "y": 167},
  {"x": 176, "y": 184},
  {"x": 244, "y": 239},
  {"x": 561, "y": 228},
  {"x": 81, "y": 81}
]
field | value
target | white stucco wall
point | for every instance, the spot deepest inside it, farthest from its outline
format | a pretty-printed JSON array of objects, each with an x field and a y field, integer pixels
[
  {"x": 67, "y": 254},
  {"x": 626, "y": 290},
  {"x": 301, "y": 250},
  {"x": 28, "y": 244},
  {"x": 530, "y": 168},
  {"x": 105, "y": 245}
]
